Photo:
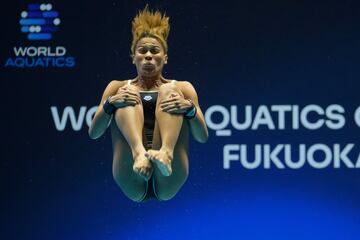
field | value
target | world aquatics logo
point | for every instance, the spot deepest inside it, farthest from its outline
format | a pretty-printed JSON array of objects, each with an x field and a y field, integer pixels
[{"x": 39, "y": 21}]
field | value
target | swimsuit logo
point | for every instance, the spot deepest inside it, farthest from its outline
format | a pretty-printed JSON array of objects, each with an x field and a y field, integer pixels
[
  {"x": 147, "y": 98},
  {"x": 39, "y": 21}
]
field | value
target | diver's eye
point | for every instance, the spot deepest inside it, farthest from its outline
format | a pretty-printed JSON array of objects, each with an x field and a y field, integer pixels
[
  {"x": 154, "y": 50},
  {"x": 142, "y": 50}
]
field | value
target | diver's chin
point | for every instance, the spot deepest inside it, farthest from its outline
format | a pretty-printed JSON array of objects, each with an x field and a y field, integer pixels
[{"x": 148, "y": 73}]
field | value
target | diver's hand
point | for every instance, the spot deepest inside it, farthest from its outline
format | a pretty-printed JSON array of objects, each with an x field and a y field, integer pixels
[
  {"x": 143, "y": 167},
  {"x": 125, "y": 96},
  {"x": 175, "y": 104}
]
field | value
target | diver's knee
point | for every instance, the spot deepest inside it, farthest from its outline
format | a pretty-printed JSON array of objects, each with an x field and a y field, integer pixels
[
  {"x": 134, "y": 89},
  {"x": 129, "y": 87},
  {"x": 169, "y": 88}
]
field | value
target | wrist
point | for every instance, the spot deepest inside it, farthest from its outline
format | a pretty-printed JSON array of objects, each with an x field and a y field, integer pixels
[
  {"x": 108, "y": 107},
  {"x": 191, "y": 112}
]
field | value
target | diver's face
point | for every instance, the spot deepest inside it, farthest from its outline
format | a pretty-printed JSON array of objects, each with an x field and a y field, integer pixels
[{"x": 149, "y": 57}]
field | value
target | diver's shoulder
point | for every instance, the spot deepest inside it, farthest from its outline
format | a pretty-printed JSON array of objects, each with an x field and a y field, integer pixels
[
  {"x": 114, "y": 85},
  {"x": 183, "y": 83},
  {"x": 117, "y": 83}
]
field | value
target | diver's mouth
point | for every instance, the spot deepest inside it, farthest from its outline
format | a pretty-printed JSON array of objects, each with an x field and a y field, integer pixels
[{"x": 148, "y": 66}]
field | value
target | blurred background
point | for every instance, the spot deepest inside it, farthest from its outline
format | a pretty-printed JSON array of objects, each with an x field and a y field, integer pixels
[{"x": 57, "y": 182}]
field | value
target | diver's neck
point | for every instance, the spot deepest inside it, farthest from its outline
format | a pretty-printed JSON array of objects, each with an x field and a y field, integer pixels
[{"x": 150, "y": 82}]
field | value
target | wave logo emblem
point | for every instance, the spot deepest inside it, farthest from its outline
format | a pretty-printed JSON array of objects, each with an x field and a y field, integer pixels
[
  {"x": 147, "y": 98},
  {"x": 39, "y": 21}
]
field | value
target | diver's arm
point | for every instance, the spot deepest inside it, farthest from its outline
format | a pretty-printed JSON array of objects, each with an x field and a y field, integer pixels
[
  {"x": 197, "y": 124},
  {"x": 101, "y": 119}
]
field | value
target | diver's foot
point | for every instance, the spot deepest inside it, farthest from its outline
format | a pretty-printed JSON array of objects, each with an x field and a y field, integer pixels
[
  {"x": 142, "y": 165},
  {"x": 162, "y": 158}
]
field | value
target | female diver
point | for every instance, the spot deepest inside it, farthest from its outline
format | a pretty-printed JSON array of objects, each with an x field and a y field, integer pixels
[{"x": 150, "y": 117}]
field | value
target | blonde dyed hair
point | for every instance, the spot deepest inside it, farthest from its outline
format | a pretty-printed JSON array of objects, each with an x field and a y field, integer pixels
[{"x": 150, "y": 24}]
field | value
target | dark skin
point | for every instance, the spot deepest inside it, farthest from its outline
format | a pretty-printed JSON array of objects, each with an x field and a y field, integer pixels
[{"x": 167, "y": 160}]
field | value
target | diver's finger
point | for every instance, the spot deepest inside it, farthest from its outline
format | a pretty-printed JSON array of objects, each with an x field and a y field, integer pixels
[
  {"x": 133, "y": 93},
  {"x": 131, "y": 98},
  {"x": 173, "y": 107},
  {"x": 170, "y": 100},
  {"x": 170, "y": 103}
]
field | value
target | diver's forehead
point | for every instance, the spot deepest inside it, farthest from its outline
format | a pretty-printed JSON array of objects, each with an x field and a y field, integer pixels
[{"x": 147, "y": 41}]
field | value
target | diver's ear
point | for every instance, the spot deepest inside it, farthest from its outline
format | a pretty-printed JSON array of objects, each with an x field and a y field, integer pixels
[
  {"x": 133, "y": 58},
  {"x": 166, "y": 58}
]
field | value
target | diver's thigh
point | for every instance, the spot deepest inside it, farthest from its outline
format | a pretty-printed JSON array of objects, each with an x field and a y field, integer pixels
[
  {"x": 130, "y": 182},
  {"x": 167, "y": 186}
]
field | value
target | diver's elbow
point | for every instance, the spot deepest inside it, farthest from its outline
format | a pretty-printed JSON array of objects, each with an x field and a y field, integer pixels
[
  {"x": 92, "y": 134},
  {"x": 203, "y": 139}
]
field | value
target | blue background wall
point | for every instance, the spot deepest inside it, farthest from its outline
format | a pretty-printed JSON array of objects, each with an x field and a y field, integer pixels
[{"x": 58, "y": 184}]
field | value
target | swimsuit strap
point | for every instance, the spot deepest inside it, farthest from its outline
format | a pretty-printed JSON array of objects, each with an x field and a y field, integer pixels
[{"x": 129, "y": 82}]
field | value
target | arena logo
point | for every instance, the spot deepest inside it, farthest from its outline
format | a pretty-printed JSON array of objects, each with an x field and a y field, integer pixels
[{"x": 39, "y": 22}]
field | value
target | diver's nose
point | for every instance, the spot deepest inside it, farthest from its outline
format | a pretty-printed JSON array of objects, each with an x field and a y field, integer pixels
[{"x": 148, "y": 56}]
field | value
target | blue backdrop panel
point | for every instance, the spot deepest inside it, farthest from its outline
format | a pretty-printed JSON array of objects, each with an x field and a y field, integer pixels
[{"x": 277, "y": 82}]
